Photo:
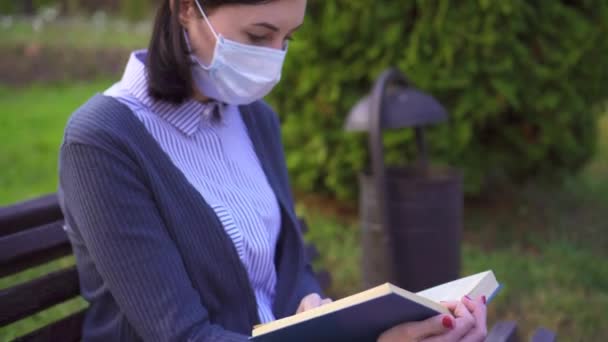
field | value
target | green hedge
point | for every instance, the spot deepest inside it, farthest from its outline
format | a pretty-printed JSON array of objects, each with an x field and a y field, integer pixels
[
  {"x": 9, "y": 7},
  {"x": 522, "y": 81}
]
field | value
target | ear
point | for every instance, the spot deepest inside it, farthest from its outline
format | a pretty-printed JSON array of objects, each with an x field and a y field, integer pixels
[{"x": 187, "y": 10}]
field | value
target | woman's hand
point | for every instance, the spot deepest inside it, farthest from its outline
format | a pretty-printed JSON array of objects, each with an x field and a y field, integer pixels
[
  {"x": 467, "y": 325},
  {"x": 312, "y": 301}
]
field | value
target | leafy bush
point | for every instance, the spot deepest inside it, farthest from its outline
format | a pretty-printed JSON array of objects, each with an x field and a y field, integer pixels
[{"x": 520, "y": 79}]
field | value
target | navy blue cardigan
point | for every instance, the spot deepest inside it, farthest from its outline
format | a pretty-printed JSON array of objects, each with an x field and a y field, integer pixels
[{"x": 153, "y": 259}]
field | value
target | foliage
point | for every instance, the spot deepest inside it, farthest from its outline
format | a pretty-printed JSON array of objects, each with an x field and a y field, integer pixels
[
  {"x": 520, "y": 79},
  {"x": 12, "y": 7},
  {"x": 135, "y": 9}
]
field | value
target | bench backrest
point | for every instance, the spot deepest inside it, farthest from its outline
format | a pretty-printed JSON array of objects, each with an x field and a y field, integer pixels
[{"x": 31, "y": 234}]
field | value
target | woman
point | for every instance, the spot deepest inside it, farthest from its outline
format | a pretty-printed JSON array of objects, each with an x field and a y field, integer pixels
[{"x": 175, "y": 191}]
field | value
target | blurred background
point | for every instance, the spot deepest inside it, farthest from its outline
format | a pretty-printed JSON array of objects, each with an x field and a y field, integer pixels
[{"x": 524, "y": 84}]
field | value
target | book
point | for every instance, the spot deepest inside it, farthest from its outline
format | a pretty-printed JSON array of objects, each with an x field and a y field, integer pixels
[{"x": 366, "y": 315}]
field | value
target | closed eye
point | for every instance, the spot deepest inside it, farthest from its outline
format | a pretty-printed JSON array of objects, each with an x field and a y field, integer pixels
[{"x": 255, "y": 39}]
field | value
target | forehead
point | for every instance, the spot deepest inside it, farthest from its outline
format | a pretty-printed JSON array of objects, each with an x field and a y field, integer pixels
[{"x": 285, "y": 14}]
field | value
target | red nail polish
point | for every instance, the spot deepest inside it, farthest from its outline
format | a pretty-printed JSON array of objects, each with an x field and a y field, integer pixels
[
  {"x": 447, "y": 322},
  {"x": 483, "y": 299}
]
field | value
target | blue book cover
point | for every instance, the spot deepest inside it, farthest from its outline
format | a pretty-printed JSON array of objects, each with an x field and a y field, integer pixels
[{"x": 366, "y": 315}]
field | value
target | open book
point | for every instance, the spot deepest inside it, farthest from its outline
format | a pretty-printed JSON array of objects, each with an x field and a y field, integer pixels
[{"x": 365, "y": 315}]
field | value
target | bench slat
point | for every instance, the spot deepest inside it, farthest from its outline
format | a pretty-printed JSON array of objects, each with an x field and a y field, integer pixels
[
  {"x": 33, "y": 247},
  {"x": 505, "y": 331},
  {"x": 26, "y": 299},
  {"x": 68, "y": 329},
  {"x": 543, "y": 335},
  {"x": 36, "y": 212}
]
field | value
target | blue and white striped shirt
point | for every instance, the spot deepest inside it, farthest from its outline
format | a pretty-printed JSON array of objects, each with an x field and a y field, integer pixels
[{"x": 218, "y": 159}]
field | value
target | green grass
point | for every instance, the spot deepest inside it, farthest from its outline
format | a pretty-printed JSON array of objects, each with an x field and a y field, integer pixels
[
  {"x": 78, "y": 32},
  {"x": 31, "y": 126},
  {"x": 559, "y": 286},
  {"x": 555, "y": 284},
  {"x": 548, "y": 246}
]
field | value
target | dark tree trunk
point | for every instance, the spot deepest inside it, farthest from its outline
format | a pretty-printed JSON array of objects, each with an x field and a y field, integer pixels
[{"x": 28, "y": 7}]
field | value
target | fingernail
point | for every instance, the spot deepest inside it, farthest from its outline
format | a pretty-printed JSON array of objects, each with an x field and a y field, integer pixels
[
  {"x": 447, "y": 322},
  {"x": 483, "y": 299},
  {"x": 469, "y": 298}
]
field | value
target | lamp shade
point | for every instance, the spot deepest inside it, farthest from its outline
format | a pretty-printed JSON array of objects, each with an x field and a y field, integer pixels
[{"x": 402, "y": 107}]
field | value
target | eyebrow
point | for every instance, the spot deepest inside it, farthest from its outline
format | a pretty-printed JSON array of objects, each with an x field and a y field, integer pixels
[{"x": 274, "y": 28}]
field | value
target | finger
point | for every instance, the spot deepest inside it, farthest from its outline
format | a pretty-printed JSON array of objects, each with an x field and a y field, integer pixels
[
  {"x": 310, "y": 301},
  {"x": 477, "y": 334},
  {"x": 415, "y": 331},
  {"x": 472, "y": 304},
  {"x": 456, "y": 307},
  {"x": 478, "y": 308},
  {"x": 461, "y": 328},
  {"x": 463, "y": 323},
  {"x": 450, "y": 305},
  {"x": 326, "y": 301},
  {"x": 461, "y": 311},
  {"x": 480, "y": 314}
]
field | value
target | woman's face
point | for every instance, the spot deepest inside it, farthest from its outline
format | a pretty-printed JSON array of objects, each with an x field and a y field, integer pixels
[{"x": 268, "y": 24}]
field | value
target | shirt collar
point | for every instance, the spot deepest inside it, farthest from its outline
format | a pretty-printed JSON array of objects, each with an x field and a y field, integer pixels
[{"x": 186, "y": 117}]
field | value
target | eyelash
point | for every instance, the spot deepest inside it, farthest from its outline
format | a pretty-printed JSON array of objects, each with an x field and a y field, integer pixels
[
  {"x": 259, "y": 39},
  {"x": 256, "y": 39}
]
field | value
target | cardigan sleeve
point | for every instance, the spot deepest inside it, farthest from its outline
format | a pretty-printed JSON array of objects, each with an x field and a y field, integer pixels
[{"x": 125, "y": 235}]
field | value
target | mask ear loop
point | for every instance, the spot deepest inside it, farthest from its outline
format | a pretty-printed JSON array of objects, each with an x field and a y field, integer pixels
[
  {"x": 217, "y": 37},
  {"x": 187, "y": 39},
  {"x": 206, "y": 19}
]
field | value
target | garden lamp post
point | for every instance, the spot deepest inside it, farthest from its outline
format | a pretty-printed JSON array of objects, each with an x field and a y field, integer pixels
[{"x": 411, "y": 217}]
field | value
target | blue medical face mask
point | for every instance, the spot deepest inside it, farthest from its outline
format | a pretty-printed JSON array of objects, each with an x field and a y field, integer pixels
[{"x": 238, "y": 73}]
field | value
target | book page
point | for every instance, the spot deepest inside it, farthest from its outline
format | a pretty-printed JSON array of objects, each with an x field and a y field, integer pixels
[{"x": 456, "y": 289}]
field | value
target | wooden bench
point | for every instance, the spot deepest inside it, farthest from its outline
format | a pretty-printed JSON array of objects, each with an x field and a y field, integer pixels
[{"x": 31, "y": 234}]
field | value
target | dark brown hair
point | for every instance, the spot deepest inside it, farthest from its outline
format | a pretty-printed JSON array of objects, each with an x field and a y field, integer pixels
[{"x": 168, "y": 64}]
